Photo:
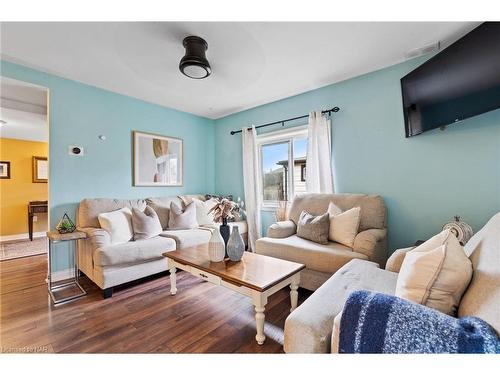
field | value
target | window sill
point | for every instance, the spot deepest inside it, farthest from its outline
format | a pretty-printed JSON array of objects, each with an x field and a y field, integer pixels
[
  {"x": 268, "y": 208},
  {"x": 271, "y": 207}
]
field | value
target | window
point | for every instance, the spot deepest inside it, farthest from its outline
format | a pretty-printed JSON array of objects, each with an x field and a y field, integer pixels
[
  {"x": 277, "y": 151},
  {"x": 275, "y": 171}
]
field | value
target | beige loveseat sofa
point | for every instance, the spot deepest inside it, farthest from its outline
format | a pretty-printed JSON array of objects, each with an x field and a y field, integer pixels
[
  {"x": 314, "y": 326},
  {"x": 322, "y": 261},
  {"x": 111, "y": 265}
]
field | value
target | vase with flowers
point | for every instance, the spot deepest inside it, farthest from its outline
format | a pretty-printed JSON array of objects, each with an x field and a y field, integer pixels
[{"x": 224, "y": 211}]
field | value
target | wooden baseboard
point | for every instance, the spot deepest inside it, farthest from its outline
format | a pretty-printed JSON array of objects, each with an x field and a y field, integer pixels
[{"x": 22, "y": 236}]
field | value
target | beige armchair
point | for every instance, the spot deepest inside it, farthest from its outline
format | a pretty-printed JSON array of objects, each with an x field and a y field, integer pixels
[{"x": 322, "y": 261}]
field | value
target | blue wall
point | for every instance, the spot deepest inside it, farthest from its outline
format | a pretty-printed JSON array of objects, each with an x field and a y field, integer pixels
[
  {"x": 425, "y": 180},
  {"x": 80, "y": 113}
]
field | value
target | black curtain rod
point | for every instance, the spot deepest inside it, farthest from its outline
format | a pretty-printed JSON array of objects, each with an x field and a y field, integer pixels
[{"x": 282, "y": 122}]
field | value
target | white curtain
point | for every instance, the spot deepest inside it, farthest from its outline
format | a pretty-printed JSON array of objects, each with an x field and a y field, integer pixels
[
  {"x": 251, "y": 184},
  {"x": 319, "y": 175}
]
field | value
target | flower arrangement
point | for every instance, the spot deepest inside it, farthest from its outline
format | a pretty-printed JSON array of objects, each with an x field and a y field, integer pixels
[{"x": 223, "y": 210}]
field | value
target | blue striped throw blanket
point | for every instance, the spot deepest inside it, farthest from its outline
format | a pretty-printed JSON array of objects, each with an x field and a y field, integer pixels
[{"x": 378, "y": 323}]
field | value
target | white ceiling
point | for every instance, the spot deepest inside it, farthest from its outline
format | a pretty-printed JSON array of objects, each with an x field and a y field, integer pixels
[
  {"x": 24, "y": 109},
  {"x": 252, "y": 63}
]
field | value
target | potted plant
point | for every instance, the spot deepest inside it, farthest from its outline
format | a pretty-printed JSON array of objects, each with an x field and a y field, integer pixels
[{"x": 65, "y": 225}]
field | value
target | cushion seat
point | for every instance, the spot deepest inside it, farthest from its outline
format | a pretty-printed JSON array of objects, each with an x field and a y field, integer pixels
[
  {"x": 187, "y": 237},
  {"x": 323, "y": 258},
  {"x": 133, "y": 251},
  {"x": 308, "y": 329}
]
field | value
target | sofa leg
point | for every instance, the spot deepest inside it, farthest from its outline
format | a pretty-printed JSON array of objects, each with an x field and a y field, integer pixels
[{"x": 107, "y": 293}]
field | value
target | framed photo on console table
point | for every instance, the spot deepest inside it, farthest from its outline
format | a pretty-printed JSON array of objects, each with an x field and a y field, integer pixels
[{"x": 158, "y": 160}]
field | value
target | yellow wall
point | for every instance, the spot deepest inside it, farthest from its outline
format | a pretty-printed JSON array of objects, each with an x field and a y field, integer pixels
[{"x": 17, "y": 191}]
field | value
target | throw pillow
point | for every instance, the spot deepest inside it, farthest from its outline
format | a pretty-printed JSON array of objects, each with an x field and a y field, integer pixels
[
  {"x": 182, "y": 219},
  {"x": 210, "y": 196},
  {"x": 202, "y": 208},
  {"x": 344, "y": 226},
  {"x": 163, "y": 212},
  {"x": 118, "y": 224},
  {"x": 187, "y": 199},
  {"x": 436, "y": 273},
  {"x": 145, "y": 224},
  {"x": 314, "y": 228}
]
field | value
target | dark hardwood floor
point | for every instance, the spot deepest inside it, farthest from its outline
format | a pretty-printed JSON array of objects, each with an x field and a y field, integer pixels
[{"x": 139, "y": 318}]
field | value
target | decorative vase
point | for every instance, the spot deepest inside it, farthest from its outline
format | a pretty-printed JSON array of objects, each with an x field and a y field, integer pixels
[
  {"x": 225, "y": 231},
  {"x": 216, "y": 247},
  {"x": 235, "y": 245}
]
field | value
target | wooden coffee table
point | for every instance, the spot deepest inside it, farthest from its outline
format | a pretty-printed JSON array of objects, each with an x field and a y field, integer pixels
[{"x": 255, "y": 276}]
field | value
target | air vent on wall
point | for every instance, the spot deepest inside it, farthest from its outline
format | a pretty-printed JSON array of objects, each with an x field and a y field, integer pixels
[{"x": 429, "y": 48}]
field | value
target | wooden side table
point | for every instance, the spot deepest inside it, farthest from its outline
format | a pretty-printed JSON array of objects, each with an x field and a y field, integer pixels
[
  {"x": 55, "y": 237},
  {"x": 35, "y": 207}
]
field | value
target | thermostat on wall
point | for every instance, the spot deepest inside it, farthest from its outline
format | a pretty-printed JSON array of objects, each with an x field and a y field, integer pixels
[{"x": 75, "y": 150}]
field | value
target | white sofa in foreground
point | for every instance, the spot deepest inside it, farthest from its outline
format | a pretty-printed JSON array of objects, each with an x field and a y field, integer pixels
[{"x": 314, "y": 326}]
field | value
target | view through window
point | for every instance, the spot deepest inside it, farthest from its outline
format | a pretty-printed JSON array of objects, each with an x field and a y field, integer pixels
[{"x": 279, "y": 182}]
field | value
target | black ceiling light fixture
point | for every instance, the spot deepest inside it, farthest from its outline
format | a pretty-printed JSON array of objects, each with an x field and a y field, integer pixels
[{"x": 194, "y": 64}]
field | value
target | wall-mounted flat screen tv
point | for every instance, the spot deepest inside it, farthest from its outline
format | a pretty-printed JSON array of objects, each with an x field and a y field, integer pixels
[{"x": 461, "y": 81}]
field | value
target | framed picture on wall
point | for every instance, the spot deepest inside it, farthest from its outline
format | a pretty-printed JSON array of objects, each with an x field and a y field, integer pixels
[
  {"x": 5, "y": 169},
  {"x": 158, "y": 160},
  {"x": 40, "y": 169}
]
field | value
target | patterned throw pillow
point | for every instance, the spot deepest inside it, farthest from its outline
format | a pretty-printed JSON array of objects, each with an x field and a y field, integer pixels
[
  {"x": 215, "y": 196},
  {"x": 314, "y": 228}
]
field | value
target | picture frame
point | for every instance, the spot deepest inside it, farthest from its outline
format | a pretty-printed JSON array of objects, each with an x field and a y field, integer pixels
[
  {"x": 40, "y": 169},
  {"x": 158, "y": 160},
  {"x": 5, "y": 170}
]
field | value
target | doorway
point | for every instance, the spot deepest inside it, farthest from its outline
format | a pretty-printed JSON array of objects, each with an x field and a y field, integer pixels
[{"x": 24, "y": 174}]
